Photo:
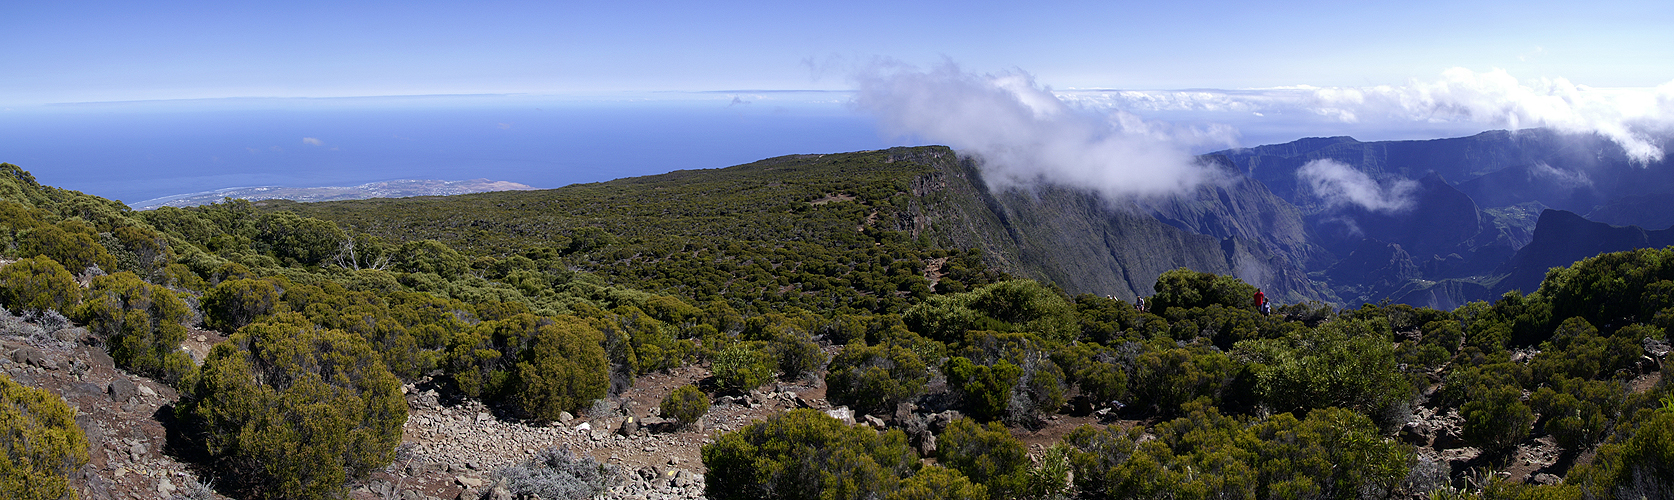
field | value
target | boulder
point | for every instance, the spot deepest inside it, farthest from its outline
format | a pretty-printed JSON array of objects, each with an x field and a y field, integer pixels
[
  {"x": 33, "y": 357},
  {"x": 940, "y": 421},
  {"x": 120, "y": 389},
  {"x": 927, "y": 445}
]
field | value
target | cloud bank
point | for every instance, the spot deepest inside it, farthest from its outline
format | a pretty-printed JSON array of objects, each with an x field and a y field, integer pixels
[
  {"x": 1023, "y": 133},
  {"x": 1633, "y": 118},
  {"x": 1339, "y": 184}
]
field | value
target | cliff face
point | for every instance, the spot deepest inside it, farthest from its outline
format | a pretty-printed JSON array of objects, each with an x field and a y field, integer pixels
[
  {"x": 1561, "y": 238},
  {"x": 1086, "y": 243},
  {"x": 1468, "y": 233}
]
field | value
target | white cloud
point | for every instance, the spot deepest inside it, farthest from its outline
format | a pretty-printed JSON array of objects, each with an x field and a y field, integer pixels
[
  {"x": 311, "y": 141},
  {"x": 1340, "y": 184},
  {"x": 1566, "y": 178},
  {"x": 1633, "y": 118},
  {"x": 1024, "y": 133}
]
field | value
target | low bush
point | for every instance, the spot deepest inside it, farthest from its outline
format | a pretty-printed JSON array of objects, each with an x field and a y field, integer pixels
[
  {"x": 37, "y": 284},
  {"x": 41, "y": 443},
  {"x": 986, "y": 390},
  {"x": 873, "y": 379},
  {"x": 988, "y": 455},
  {"x": 686, "y": 405},
  {"x": 237, "y": 302},
  {"x": 934, "y": 482},
  {"x": 558, "y": 474},
  {"x": 1497, "y": 419},
  {"x": 806, "y": 454},
  {"x": 141, "y": 324},
  {"x": 741, "y": 367},
  {"x": 289, "y": 410}
]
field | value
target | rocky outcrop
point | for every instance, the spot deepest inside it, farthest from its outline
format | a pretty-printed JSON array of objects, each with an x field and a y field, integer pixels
[{"x": 1561, "y": 238}]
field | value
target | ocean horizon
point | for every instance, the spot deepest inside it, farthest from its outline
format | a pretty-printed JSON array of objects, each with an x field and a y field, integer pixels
[{"x": 135, "y": 151}]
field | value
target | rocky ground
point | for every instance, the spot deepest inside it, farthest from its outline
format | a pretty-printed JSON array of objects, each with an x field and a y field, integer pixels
[{"x": 123, "y": 415}]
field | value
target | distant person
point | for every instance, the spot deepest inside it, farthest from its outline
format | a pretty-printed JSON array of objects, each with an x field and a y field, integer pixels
[
  {"x": 1140, "y": 305},
  {"x": 1261, "y": 302}
]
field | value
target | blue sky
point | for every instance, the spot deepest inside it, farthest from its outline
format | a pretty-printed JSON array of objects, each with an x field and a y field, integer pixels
[
  {"x": 1150, "y": 80},
  {"x": 103, "y": 51}
]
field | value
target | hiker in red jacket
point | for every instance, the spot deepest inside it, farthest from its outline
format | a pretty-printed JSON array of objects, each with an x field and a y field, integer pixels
[{"x": 1261, "y": 302}]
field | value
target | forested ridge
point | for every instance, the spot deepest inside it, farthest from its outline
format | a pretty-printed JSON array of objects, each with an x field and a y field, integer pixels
[{"x": 540, "y": 305}]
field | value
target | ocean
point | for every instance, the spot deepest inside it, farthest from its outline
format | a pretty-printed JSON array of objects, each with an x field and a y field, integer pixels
[{"x": 133, "y": 151}]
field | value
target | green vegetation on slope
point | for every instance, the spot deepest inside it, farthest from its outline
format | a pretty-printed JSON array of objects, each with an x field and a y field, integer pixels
[{"x": 543, "y": 307}]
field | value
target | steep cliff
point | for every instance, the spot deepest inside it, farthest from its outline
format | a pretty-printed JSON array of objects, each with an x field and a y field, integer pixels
[{"x": 1086, "y": 243}]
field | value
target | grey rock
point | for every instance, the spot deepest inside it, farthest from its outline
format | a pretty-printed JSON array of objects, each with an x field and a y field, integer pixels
[
  {"x": 630, "y": 425},
  {"x": 1655, "y": 347},
  {"x": 121, "y": 389},
  {"x": 940, "y": 421},
  {"x": 927, "y": 445},
  {"x": 147, "y": 391},
  {"x": 500, "y": 491},
  {"x": 875, "y": 421},
  {"x": 70, "y": 334},
  {"x": 1417, "y": 433},
  {"x": 33, "y": 357},
  {"x": 565, "y": 417}
]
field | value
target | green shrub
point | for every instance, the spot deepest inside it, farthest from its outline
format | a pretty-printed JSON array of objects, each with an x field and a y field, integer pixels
[
  {"x": 42, "y": 444},
  {"x": 430, "y": 256},
  {"x": 1346, "y": 363},
  {"x": 1637, "y": 464},
  {"x": 989, "y": 456},
  {"x": 798, "y": 355},
  {"x": 1167, "y": 377},
  {"x": 1574, "y": 423},
  {"x": 238, "y": 302},
  {"x": 873, "y": 379},
  {"x": 1007, "y": 306},
  {"x": 38, "y": 284},
  {"x": 986, "y": 390},
  {"x": 544, "y": 366},
  {"x": 1497, "y": 419},
  {"x": 686, "y": 405},
  {"x": 1186, "y": 288},
  {"x": 934, "y": 482},
  {"x": 76, "y": 250},
  {"x": 1103, "y": 382},
  {"x": 141, "y": 324},
  {"x": 741, "y": 367},
  {"x": 806, "y": 454},
  {"x": 1334, "y": 453},
  {"x": 563, "y": 369},
  {"x": 289, "y": 410},
  {"x": 1037, "y": 388}
]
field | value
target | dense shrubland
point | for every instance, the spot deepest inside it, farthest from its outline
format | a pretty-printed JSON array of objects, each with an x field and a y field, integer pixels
[{"x": 538, "y": 306}]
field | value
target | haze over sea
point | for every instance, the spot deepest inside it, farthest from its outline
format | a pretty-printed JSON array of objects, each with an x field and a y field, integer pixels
[
  {"x": 139, "y": 150},
  {"x": 133, "y": 151}
]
